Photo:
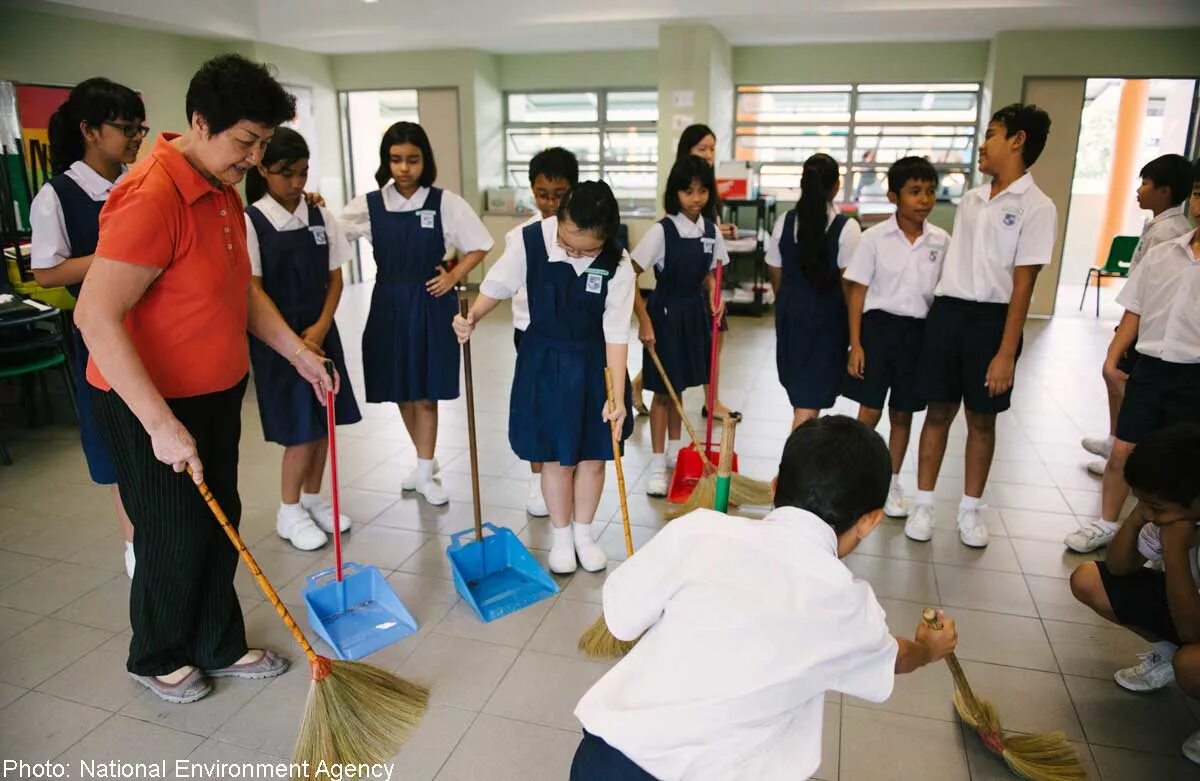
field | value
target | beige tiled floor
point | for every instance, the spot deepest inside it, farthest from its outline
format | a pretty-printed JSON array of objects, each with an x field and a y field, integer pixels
[{"x": 503, "y": 693}]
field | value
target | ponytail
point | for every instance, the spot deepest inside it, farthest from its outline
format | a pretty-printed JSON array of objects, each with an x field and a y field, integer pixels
[
  {"x": 91, "y": 103},
  {"x": 812, "y": 219}
]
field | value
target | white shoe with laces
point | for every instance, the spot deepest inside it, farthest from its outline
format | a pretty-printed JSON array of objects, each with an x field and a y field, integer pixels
[
  {"x": 1191, "y": 747},
  {"x": 896, "y": 505},
  {"x": 972, "y": 531},
  {"x": 1155, "y": 671},
  {"x": 535, "y": 502},
  {"x": 294, "y": 525},
  {"x": 919, "y": 525},
  {"x": 321, "y": 511},
  {"x": 1097, "y": 446},
  {"x": 658, "y": 484},
  {"x": 410, "y": 483},
  {"x": 1096, "y": 468},
  {"x": 1089, "y": 538}
]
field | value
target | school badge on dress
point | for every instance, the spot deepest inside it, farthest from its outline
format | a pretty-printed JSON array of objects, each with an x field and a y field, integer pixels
[
  {"x": 708, "y": 244},
  {"x": 595, "y": 282},
  {"x": 427, "y": 218},
  {"x": 318, "y": 234}
]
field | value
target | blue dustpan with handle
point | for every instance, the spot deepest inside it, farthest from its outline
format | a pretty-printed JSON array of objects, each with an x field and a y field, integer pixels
[
  {"x": 356, "y": 612},
  {"x": 494, "y": 574}
]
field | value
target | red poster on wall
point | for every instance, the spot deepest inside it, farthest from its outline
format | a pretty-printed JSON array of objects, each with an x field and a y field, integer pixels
[{"x": 35, "y": 104}]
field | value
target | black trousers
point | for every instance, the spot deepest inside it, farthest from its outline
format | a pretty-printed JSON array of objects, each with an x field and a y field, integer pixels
[
  {"x": 182, "y": 605},
  {"x": 595, "y": 760}
]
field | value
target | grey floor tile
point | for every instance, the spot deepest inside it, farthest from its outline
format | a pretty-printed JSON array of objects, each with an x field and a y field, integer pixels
[
  {"x": 999, "y": 592},
  {"x": 831, "y": 741},
  {"x": 9, "y": 693},
  {"x": 927, "y": 693},
  {"x": 218, "y": 756},
  {"x": 1050, "y": 559},
  {"x": 1118, "y": 764},
  {"x": 54, "y": 587},
  {"x": 588, "y": 586},
  {"x": 97, "y": 679},
  {"x": 203, "y": 717},
  {"x": 459, "y": 673},
  {"x": 1037, "y": 525},
  {"x": 544, "y": 689},
  {"x": 500, "y": 749},
  {"x": 1156, "y": 722},
  {"x": 999, "y": 638},
  {"x": 15, "y": 621},
  {"x": 270, "y": 721},
  {"x": 37, "y": 727},
  {"x": 15, "y": 567},
  {"x": 1095, "y": 651},
  {"x": 1054, "y": 600},
  {"x": 1026, "y": 700},
  {"x": 946, "y": 548},
  {"x": 888, "y": 540},
  {"x": 560, "y": 631},
  {"x": 430, "y": 744},
  {"x": 129, "y": 740},
  {"x": 106, "y": 607},
  {"x": 896, "y": 579},
  {"x": 32, "y": 656},
  {"x": 901, "y": 747}
]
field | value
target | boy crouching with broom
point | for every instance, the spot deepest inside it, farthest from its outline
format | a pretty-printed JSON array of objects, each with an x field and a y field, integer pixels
[
  {"x": 747, "y": 624},
  {"x": 1160, "y": 604}
]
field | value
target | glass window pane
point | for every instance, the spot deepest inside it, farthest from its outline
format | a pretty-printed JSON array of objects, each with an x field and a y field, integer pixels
[
  {"x": 523, "y": 143},
  {"x": 631, "y": 182},
  {"x": 631, "y": 146},
  {"x": 798, "y": 106},
  {"x": 790, "y": 144},
  {"x": 632, "y": 107},
  {"x": 916, "y": 107},
  {"x": 887, "y": 145},
  {"x": 553, "y": 107}
]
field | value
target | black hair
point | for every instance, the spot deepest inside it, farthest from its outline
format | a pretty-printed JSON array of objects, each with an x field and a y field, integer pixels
[
  {"x": 406, "y": 133},
  {"x": 230, "y": 88},
  {"x": 685, "y": 171},
  {"x": 819, "y": 177},
  {"x": 555, "y": 163},
  {"x": 835, "y": 468},
  {"x": 92, "y": 103},
  {"x": 1034, "y": 121},
  {"x": 691, "y": 135},
  {"x": 1196, "y": 172},
  {"x": 1163, "y": 465},
  {"x": 906, "y": 169},
  {"x": 592, "y": 206},
  {"x": 286, "y": 146},
  {"x": 1172, "y": 171}
]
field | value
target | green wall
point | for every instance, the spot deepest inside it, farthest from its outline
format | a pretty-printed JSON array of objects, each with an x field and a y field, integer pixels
[
  {"x": 836, "y": 63},
  {"x": 630, "y": 68}
]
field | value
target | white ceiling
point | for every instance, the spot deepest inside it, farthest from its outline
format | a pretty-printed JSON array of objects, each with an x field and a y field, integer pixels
[{"x": 347, "y": 26}]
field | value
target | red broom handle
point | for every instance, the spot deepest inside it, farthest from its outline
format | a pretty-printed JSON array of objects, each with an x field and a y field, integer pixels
[
  {"x": 331, "y": 425},
  {"x": 712, "y": 366}
]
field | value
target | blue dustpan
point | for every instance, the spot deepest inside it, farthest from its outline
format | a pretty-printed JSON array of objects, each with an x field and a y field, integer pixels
[
  {"x": 358, "y": 615},
  {"x": 497, "y": 575}
]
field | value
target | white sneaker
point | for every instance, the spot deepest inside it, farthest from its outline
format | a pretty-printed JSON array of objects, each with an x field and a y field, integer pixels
[
  {"x": 896, "y": 505},
  {"x": 410, "y": 483},
  {"x": 658, "y": 484},
  {"x": 1089, "y": 538},
  {"x": 1191, "y": 747},
  {"x": 294, "y": 525},
  {"x": 562, "y": 551},
  {"x": 433, "y": 492},
  {"x": 535, "y": 503},
  {"x": 591, "y": 556},
  {"x": 972, "y": 531},
  {"x": 130, "y": 561},
  {"x": 1096, "y": 468},
  {"x": 321, "y": 511},
  {"x": 1155, "y": 671},
  {"x": 1097, "y": 446},
  {"x": 919, "y": 525}
]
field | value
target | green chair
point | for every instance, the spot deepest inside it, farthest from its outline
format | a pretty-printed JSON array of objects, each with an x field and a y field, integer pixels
[
  {"x": 1120, "y": 252},
  {"x": 30, "y": 346}
]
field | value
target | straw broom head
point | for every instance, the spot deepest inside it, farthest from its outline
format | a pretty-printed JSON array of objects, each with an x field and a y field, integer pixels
[
  {"x": 703, "y": 495},
  {"x": 598, "y": 643}
]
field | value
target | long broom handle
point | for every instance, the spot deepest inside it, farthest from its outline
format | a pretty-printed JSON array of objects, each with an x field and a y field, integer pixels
[
  {"x": 256, "y": 571},
  {"x": 463, "y": 309},
  {"x": 679, "y": 406},
  {"x": 712, "y": 368},
  {"x": 724, "y": 467},
  {"x": 929, "y": 615},
  {"x": 331, "y": 426},
  {"x": 616, "y": 446}
]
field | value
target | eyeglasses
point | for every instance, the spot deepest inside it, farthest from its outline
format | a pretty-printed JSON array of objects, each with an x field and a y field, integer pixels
[{"x": 130, "y": 131}]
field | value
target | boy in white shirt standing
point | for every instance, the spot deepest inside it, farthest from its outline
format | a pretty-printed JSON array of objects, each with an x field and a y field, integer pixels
[
  {"x": 745, "y": 624},
  {"x": 892, "y": 278},
  {"x": 1003, "y": 235},
  {"x": 1166, "y": 182},
  {"x": 1162, "y": 317}
]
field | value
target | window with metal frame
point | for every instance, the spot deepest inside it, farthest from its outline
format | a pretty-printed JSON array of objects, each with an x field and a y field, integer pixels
[
  {"x": 865, "y": 127},
  {"x": 613, "y": 132}
]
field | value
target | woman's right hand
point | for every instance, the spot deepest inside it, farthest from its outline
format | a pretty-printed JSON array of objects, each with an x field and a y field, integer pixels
[
  {"x": 856, "y": 361},
  {"x": 174, "y": 445},
  {"x": 464, "y": 327},
  {"x": 646, "y": 332}
]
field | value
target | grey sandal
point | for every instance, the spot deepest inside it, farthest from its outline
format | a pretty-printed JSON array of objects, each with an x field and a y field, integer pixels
[
  {"x": 269, "y": 665},
  {"x": 194, "y": 686}
]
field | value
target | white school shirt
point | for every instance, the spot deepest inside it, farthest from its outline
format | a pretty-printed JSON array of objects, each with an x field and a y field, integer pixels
[
  {"x": 520, "y": 299},
  {"x": 992, "y": 236},
  {"x": 50, "y": 245},
  {"x": 747, "y": 624},
  {"x": 847, "y": 241},
  {"x": 462, "y": 228},
  {"x": 652, "y": 249},
  {"x": 1168, "y": 224},
  {"x": 1164, "y": 291},
  {"x": 900, "y": 277},
  {"x": 508, "y": 274},
  {"x": 283, "y": 220}
]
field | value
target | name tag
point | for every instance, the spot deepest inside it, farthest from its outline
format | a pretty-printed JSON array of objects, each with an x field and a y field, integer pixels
[
  {"x": 1010, "y": 217},
  {"x": 427, "y": 218},
  {"x": 708, "y": 244},
  {"x": 318, "y": 234},
  {"x": 595, "y": 282}
]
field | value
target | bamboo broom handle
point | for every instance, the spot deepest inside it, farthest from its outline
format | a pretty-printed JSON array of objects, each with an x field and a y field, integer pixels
[
  {"x": 929, "y": 615},
  {"x": 679, "y": 408},
  {"x": 616, "y": 446},
  {"x": 259, "y": 577},
  {"x": 463, "y": 309}
]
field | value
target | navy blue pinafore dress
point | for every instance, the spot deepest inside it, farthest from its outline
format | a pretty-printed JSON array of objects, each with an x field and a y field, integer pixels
[
  {"x": 558, "y": 393},
  {"x": 680, "y": 313},
  {"x": 295, "y": 274},
  {"x": 811, "y": 331},
  {"x": 410, "y": 352},
  {"x": 81, "y": 215}
]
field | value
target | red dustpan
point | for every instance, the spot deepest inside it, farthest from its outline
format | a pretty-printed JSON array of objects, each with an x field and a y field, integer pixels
[{"x": 689, "y": 465}]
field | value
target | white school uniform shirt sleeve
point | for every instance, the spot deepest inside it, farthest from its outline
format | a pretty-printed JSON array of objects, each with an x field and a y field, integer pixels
[
  {"x": 355, "y": 220},
  {"x": 507, "y": 274},
  {"x": 462, "y": 227},
  {"x": 1163, "y": 291},
  {"x": 720, "y": 251},
  {"x": 861, "y": 266},
  {"x": 652, "y": 249},
  {"x": 1130, "y": 297},
  {"x": 774, "y": 259},
  {"x": 340, "y": 250},
  {"x": 848, "y": 241},
  {"x": 1035, "y": 245},
  {"x": 253, "y": 249},
  {"x": 49, "y": 244},
  {"x": 618, "y": 304},
  {"x": 520, "y": 299}
]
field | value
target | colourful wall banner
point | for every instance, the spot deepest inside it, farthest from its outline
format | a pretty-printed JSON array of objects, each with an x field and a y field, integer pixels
[{"x": 35, "y": 104}]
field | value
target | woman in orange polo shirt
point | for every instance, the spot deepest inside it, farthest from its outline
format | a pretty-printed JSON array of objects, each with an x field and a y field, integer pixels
[{"x": 165, "y": 311}]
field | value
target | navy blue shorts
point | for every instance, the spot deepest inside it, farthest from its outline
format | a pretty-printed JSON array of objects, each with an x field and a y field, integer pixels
[
  {"x": 961, "y": 339},
  {"x": 1140, "y": 599},
  {"x": 595, "y": 760},
  {"x": 517, "y": 334},
  {"x": 892, "y": 345},
  {"x": 1157, "y": 394}
]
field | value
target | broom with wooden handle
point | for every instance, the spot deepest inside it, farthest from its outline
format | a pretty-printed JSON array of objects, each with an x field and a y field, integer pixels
[
  {"x": 597, "y": 642},
  {"x": 1045, "y": 757},
  {"x": 356, "y": 713}
]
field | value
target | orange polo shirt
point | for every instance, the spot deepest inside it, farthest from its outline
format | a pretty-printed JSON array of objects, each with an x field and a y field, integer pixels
[{"x": 189, "y": 327}]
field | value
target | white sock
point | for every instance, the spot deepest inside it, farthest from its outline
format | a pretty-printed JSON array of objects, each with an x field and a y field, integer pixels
[
  {"x": 582, "y": 532},
  {"x": 895, "y": 482},
  {"x": 924, "y": 498},
  {"x": 1110, "y": 439},
  {"x": 308, "y": 500},
  {"x": 673, "y": 448},
  {"x": 424, "y": 470},
  {"x": 291, "y": 509},
  {"x": 535, "y": 483},
  {"x": 658, "y": 462},
  {"x": 1111, "y": 526},
  {"x": 562, "y": 537},
  {"x": 969, "y": 503}
]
